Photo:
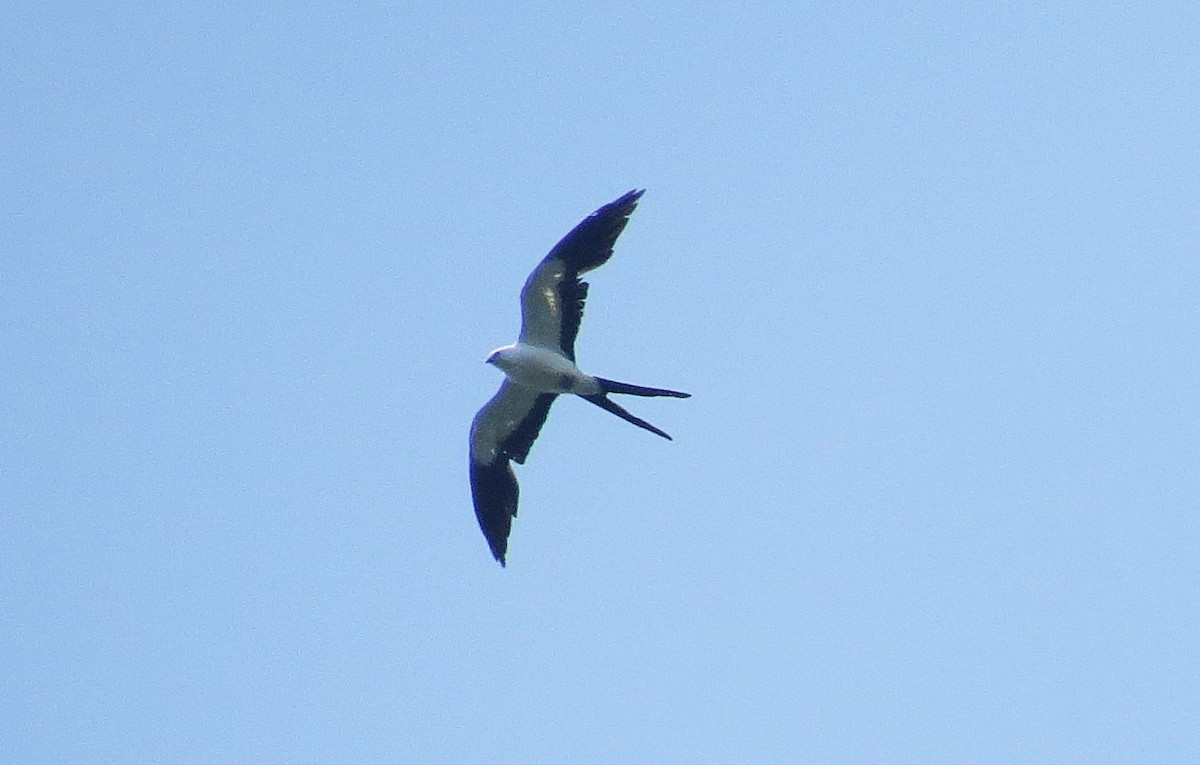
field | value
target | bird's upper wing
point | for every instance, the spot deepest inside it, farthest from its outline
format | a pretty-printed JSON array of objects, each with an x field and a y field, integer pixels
[
  {"x": 503, "y": 430},
  {"x": 553, "y": 296}
]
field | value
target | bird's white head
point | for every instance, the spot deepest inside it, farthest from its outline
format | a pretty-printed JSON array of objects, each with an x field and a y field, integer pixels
[{"x": 501, "y": 356}]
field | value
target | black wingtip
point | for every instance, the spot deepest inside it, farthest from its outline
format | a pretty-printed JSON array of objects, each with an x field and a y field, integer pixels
[
  {"x": 622, "y": 206},
  {"x": 494, "y": 493},
  {"x": 626, "y": 203},
  {"x": 590, "y": 244}
]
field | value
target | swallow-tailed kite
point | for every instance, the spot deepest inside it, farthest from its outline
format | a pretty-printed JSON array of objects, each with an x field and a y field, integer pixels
[{"x": 541, "y": 365}]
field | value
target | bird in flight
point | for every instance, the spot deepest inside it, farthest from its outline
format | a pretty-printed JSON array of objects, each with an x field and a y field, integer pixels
[{"x": 541, "y": 365}]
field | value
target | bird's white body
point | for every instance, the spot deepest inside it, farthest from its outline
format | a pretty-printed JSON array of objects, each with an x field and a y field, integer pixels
[{"x": 545, "y": 370}]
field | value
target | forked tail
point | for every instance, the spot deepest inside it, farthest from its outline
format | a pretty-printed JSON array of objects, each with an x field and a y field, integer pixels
[
  {"x": 607, "y": 404},
  {"x": 612, "y": 386}
]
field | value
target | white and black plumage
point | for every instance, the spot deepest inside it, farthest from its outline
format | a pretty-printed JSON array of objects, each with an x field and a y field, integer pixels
[{"x": 541, "y": 365}]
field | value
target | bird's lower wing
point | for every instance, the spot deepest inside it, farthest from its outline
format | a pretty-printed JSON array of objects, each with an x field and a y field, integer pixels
[{"x": 503, "y": 430}]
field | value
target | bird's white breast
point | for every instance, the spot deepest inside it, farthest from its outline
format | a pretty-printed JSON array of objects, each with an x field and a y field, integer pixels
[{"x": 545, "y": 370}]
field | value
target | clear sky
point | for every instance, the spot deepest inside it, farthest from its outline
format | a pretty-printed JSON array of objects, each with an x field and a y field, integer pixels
[{"x": 929, "y": 269}]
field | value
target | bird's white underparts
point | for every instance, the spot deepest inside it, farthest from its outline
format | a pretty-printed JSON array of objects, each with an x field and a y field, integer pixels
[
  {"x": 543, "y": 369},
  {"x": 540, "y": 366}
]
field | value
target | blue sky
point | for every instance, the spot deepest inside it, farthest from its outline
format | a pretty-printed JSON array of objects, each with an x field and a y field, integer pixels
[{"x": 929, "y": 271}]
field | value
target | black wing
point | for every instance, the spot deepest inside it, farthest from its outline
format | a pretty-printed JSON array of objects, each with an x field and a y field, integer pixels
[
  {"x": 504, "y": 430},
  {"x": 553, "y": 296}
]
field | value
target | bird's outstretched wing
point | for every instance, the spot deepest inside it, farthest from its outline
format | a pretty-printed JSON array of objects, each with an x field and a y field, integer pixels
[
  {"x": 503, "y": 430},
  {"x": 553, "y": 296}
]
